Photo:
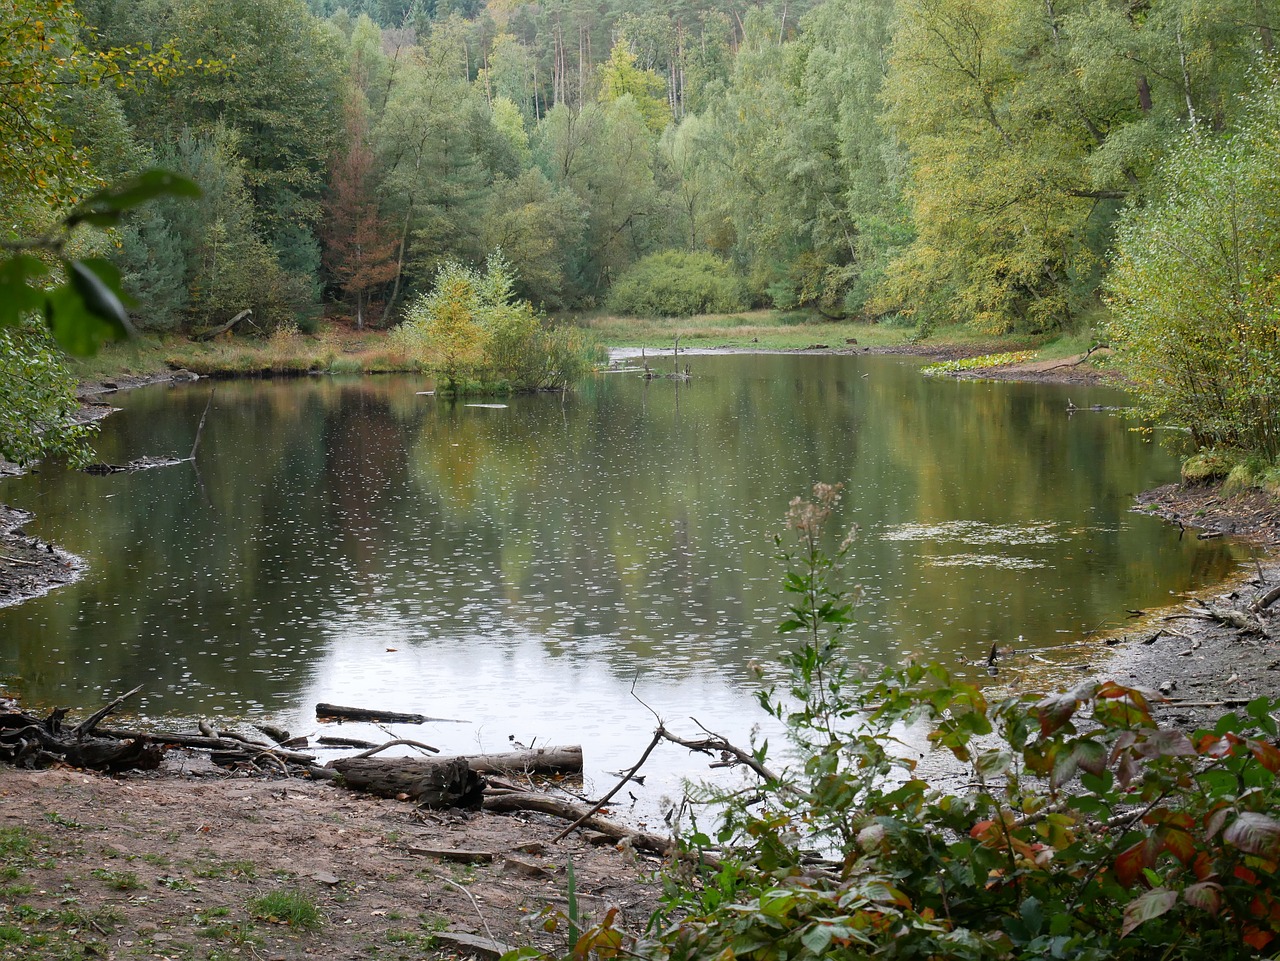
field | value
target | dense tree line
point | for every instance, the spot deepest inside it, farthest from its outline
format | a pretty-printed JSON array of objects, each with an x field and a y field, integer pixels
[{"x": 932, "y": 161}]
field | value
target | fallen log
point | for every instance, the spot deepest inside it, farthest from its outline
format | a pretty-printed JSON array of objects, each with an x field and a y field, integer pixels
[
  {"x": 509, "y": 802},
  {"x": 213, "y": 332},
  {"x": 566, "y": 759},
  {"x": 226, "y": 746},
  {"x": 338, "y": 713},
  {"x": 430, "y": 782}
]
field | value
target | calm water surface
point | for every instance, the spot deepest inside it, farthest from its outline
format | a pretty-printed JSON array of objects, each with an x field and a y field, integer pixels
[{"x": 522, "y": 568}]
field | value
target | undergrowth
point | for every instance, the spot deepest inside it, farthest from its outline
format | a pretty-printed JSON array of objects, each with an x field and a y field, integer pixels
[{"x": 1085, "y": 829}]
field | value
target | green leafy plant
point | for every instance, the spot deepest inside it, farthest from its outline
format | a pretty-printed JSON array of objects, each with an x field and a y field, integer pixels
[
  {"x": 1087, "y": 831},
  {"x": 472, "y": 333},
  {"x": 286, "y": 907},
  {"x": 1006, "y": 359},
  {"x": 678, "y": 284}
]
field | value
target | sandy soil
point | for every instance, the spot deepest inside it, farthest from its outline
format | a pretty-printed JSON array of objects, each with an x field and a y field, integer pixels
[{"x": 168, "y": 864}]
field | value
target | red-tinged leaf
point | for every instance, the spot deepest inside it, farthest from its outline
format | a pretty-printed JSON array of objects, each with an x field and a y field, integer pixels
[
  {"x": 981, "y": 830},
  {"x": 1177, "y": 819},
  {"x": 1267, "y": 754},
  {"x": 1256, "y": 938},
  {"x": 1244, "y": 874},
  {"x": 1147, "y": 906},
  {"x": 1178, "y": 843},
  {"x": 1254, "y": 833},
  {"x": 1055, "y": 711},
  {"x": 1213, "y": 746},
  {"x": 1110, "y": 690},
  {"x": 1166, "y": 744},
  {"x": 1126, "y": 770},
  {"x": 1207, "y": 896},
  {"x": 1123, "y": 742},
  {"x": 1130, "y": 863},
  {"x": 1203, "y": 867},
  {"x": 1215, "y": 820}
]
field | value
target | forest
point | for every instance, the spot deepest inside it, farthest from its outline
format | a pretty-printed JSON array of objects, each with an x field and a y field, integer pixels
[{"x": 1013, "y": 166}]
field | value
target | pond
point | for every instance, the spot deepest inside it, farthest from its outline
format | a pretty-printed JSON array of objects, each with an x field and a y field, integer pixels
[{"x": 523, "y": 568}]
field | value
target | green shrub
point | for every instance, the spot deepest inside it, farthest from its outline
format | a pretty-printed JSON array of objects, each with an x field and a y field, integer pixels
[
  {"x": 678, "y": 284},
  {"x": 1084, "y": 830},
  {"x": 472, "y": 333},
  {"x": 1195, "y": 289}
]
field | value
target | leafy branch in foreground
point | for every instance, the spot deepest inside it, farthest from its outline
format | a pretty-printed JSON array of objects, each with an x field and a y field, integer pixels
[
  {"x": 1075, "y": 825},
  {"x": 81, "y": 300},
  {"x": 49, "y": 300},
  {"x": 1084, "y": 830}
]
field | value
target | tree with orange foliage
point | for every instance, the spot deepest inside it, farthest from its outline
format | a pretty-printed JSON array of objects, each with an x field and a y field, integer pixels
[{"x": 359, "y": 248}]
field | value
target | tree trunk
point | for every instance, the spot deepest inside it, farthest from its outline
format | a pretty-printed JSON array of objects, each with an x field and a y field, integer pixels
[{"x": 431, "y": 782}]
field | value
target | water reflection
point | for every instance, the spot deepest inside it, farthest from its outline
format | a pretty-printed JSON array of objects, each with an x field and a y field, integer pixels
[{"x": 353, "y": 541}]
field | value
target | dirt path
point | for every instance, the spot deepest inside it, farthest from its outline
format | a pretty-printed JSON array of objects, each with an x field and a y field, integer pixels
[{"x": 175, "y": 865}]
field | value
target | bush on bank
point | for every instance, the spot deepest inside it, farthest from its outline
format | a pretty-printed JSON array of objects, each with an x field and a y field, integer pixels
[
  {"x": 471, "y": 332},
  {"x": 678, "y": 284}
]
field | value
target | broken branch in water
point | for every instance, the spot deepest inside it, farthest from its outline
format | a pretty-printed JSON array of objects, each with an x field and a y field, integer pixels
[{"x": 89, "y": 723}]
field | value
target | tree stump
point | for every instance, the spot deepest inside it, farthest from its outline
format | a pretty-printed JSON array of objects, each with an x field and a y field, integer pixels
[{"x": 431, "y": 782}]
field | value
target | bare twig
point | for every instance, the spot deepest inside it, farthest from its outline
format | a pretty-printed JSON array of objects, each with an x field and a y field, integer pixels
[
  {"x": 657, "y": 739},
  {"x": 479, "y": 913},
  {"x": 382, "y": 747},
  {"x": 200, "y": 428}
]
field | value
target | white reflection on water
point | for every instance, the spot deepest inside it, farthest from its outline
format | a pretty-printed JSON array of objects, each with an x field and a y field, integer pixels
[{"x": 513, "y": 688}]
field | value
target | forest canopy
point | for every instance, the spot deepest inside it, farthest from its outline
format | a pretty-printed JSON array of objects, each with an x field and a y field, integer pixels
[{"x": 924, "y": 162}]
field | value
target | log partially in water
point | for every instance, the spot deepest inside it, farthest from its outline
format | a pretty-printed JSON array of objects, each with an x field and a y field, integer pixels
[
  {"x": 566, "y": 759},
  {"x": 431, "y": 782},
  {"x": 337, "y": 712}
]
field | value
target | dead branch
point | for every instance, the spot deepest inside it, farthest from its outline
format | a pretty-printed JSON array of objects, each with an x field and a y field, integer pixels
[
  {"x": 657, "y": 739},
  {"x": 714, "y": 743},
  {"x": 1266, "y": 600},
  {"x": 531, "y": 801},
  {"x": 89, "y": 723},
  {"x": 398, "y": 741}
]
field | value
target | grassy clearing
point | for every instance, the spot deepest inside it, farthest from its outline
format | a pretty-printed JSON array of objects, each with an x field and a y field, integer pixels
[
  {"x": 760, "y": 330},
  {"x": 339, "y": 350}
]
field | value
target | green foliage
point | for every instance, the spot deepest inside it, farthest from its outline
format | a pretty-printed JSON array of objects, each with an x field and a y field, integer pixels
[
  {"x": 472, "y": 332},
  {"x": 75, "y": 305},
  {"x": 676, "y": 284},
  {"x": 1087, "y": 831},
  {"x": 1005, "y": 359},
  {"x": 286, "y": 907},
  {"x": 1195, "y": 288},
  {"x": 620, "y": 77}
]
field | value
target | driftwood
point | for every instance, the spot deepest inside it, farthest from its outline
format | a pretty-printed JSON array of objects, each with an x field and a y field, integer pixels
[
  {"x": 541, "y": 760},
  {"x": 1266, "y": 600},
  {"x": 338, "y": 713},
  {"x": 29, "y": 741},
  {"x": 1231, "y": 617},
  {"x": 226, "y": 748},
  {"x": 511, "y": 801},
  {"x": 431, "y": 782},
  {"x": 213, "y": 332},
  {"x": 326, "y": 741}
]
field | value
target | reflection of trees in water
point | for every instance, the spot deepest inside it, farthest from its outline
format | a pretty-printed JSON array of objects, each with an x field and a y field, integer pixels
[{"x": 624, "y": 516}]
